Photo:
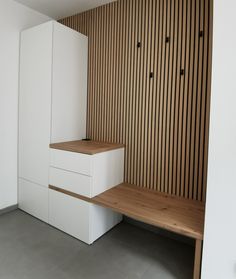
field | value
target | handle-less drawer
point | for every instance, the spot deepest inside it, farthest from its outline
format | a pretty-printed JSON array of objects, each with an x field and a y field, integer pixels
[
  {"x": 71, "y": 181},
  {"x": 71, "y": 161}
]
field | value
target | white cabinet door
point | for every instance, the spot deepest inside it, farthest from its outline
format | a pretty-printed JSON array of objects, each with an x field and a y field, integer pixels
[
  {"x": 70, "y": 215},
  {"x": 33, "y": 199},
  {"x": 79, "y": 218},
  {"x": 69, "y": 90},
  {"x": 35, "y": 103}
]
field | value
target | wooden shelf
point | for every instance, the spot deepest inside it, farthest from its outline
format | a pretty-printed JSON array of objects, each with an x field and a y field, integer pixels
[
  {"x": 86, "y": 147},
  {"x": 179, "y": 215}
]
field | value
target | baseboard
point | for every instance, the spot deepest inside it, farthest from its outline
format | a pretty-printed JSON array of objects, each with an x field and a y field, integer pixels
[
  {"x": 159, "y": 231},
  {"x": 8, "y": 209}
]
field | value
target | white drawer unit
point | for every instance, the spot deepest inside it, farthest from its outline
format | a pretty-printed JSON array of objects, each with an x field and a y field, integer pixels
[
  {"x": 87, "y": 175},
  {"x": 75, "y": 176},
  {"x": 79, "y": 218},
  {"x": 78, "y": 171}
]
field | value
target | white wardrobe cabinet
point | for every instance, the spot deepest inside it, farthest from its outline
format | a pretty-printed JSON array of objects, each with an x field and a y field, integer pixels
[
  {"x": 56, "y": 185},
  {"x": 52, "y": 105}
]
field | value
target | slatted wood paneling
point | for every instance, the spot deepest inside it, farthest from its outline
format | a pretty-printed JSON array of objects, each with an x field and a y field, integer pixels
[{"x": 163, "y": 121}]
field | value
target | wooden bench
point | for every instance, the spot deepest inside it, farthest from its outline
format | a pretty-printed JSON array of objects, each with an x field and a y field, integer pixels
[{"x": 179, "y": 215}]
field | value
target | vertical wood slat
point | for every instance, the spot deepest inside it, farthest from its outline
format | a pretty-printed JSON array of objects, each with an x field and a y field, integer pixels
[
  {"x": 198, "y": 106},
  {"x": 177, "y": 104},
  {"x": 131, "y": 92},
  {"x": 209, "y": 38},
  {"x": 189, "y": 97},
  {"x": 144, "y": 93},
  {"x": 137, "y": 92},
  {"x": 160, "y": 93},
  {"x": 148, "y": 97},
  {"x": 171, "y": 34},
  {"x": 152, "y": 99},
  {"x": 194, "y": 102},
  {"x": 163, "y": 120},
  {"x": 155, "y": 100},
  {"x": 187, "y": 24},
  {"x": 173, "y": 99},
  {"x": 166, "y": 97}
]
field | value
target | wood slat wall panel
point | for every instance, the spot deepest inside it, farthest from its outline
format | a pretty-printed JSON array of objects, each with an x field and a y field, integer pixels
[{"x": 163, "y": 120}]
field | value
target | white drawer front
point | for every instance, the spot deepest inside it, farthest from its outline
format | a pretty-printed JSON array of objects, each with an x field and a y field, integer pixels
[
  {"x": 71, "y": 161},
  {"x": 71, "y": 181},
  {"x": 70, "y": 215}
]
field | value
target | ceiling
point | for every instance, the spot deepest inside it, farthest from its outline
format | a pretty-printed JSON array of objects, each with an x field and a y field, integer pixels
[{"x": 62, "y": 8}]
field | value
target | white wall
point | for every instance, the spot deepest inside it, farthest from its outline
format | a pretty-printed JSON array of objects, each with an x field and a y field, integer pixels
[
  {"x": 14, "y": 17},
  {"x": 219, "y": 253}
]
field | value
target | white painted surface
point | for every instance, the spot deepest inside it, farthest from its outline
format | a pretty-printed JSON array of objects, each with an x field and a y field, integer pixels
[
  {"x": 52, "y": 101},
  {"x": 35, "y": 103},
  {"x": 102, "y": 220},
  {"x": 71, "y": 181},
  {"x": 219, "y": 253},
  {"x": 71, "y": 161},
  {"x": 33, "y": 199},
  {"x": 62, "y": 8},
  {"x": 79, "y": 218},
  {"x": 14, "y": 18},
  {"x": 70, "y": 215},
  {"x": 69, "y": 90},
  {"x": 108, "y": 170}
]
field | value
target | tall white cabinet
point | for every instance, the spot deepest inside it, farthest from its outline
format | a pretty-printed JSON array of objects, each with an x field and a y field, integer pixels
[{"x": 52, "y": 105}]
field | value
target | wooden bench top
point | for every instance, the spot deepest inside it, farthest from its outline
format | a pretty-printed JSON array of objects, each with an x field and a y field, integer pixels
[
  {"x": 86, "y": 147},
  {"x": 179, "y": 215}
]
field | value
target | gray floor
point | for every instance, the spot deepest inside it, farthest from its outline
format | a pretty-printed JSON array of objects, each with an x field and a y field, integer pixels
[{"x": 30, "y": 249}]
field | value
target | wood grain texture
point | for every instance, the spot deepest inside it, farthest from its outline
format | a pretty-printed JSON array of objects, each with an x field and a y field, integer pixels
[
  {"x": 197, "y": 259},
  {"x": 169, "y": 212},
  {"x": 165, "y": 211},
  {"x": 86, "y": 147},
  {"x": 68, "y": 193},
  {"x": 163, "y": 120}
]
